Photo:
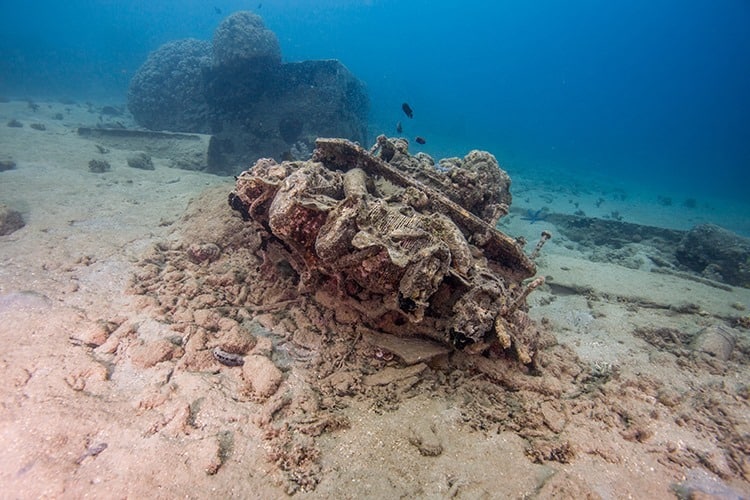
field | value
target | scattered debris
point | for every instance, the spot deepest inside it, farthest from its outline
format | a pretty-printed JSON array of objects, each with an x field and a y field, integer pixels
[
  {"x": 10, "y": 220},
  {"x": 7, "y": 164}
]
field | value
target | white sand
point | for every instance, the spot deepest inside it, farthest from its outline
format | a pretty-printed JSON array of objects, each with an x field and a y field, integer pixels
[{"x": 660, "y": 419}]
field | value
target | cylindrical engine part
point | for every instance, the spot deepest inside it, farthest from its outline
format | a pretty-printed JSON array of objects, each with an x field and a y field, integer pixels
[{"x": 716, "y": 340}]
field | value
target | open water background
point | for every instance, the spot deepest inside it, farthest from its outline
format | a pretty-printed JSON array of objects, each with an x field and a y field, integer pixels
[{"x": 653, "y": 94}]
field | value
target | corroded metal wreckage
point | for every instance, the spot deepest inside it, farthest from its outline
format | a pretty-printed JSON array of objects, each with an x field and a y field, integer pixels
[{"x": 410, "y": 246}]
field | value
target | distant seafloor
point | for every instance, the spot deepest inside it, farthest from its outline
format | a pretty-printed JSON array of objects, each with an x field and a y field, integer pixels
[{"x": 649, "y": 97}]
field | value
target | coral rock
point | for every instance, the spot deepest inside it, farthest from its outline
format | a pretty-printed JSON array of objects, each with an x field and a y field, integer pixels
[
  {"x": 262, "y": 377},
  {"x": 203, "y": 252},
  {"x": 140, "y": 160},
  {"x": 242, "y": 38},
  {"x": 148, "y": 354}
]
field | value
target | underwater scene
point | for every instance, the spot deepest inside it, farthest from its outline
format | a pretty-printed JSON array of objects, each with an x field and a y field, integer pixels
[{"x": 375, "y": 249}]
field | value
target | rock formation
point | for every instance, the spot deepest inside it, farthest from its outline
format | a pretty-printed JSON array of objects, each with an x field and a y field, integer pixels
[
  {"x": 716, "y": 253},
  {"x": 166, "y": 93},
  {"x": 237, "y": 89}
]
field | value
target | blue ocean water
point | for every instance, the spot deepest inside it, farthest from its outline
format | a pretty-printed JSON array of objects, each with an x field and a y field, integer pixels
[{"x": 653, "y": 93}]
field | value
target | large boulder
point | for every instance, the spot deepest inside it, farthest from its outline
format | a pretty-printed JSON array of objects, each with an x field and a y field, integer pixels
[
  {"x": 243, "y": 37},
  {"x": 716, "y": 253},
  {"x": 239, "y": 91},
  {"x": 166, "y": 93},
  {"x": 265, "y": 113}
]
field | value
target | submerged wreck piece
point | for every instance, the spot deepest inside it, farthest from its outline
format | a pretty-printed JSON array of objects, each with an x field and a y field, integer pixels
[
  {"x": 402, "y": 254},
  {"x": 187, "y": 151}
]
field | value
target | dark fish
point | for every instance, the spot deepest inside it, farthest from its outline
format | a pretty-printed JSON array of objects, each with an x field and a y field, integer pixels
[
  {"x": 399, "y": 128},
  {"x": 236, "y": 203},
  {"x": 287, "y": 156},
  {"x": 407, "y": 109},
  {"x": 217, "y": 10},
  {"x": 420, "y": 140},
  {"x": 260, "y": 5}
]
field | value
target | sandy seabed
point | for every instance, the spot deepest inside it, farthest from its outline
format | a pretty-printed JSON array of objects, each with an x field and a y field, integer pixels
[{"x": 108, "y": 321}]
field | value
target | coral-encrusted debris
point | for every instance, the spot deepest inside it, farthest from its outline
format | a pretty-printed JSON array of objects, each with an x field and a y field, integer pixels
[{"x": 398, "y": 240}]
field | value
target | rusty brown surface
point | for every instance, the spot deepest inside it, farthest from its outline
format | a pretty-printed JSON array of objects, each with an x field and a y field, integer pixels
[{"x": 407, "y": 258}]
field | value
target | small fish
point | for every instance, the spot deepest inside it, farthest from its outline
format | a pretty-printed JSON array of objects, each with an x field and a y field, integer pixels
[
  {"x": 407, "y": 109},
  {"x": 228, "y": 358},
  {"x": 399, "y": 128},
  {"x": 91, "y": 451},
  {"x": 217, "y": 10},
  {"x": 533, "y": 216},
  {"x": 287, "y": 156},
  {"x": 420, "y": 140}
]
